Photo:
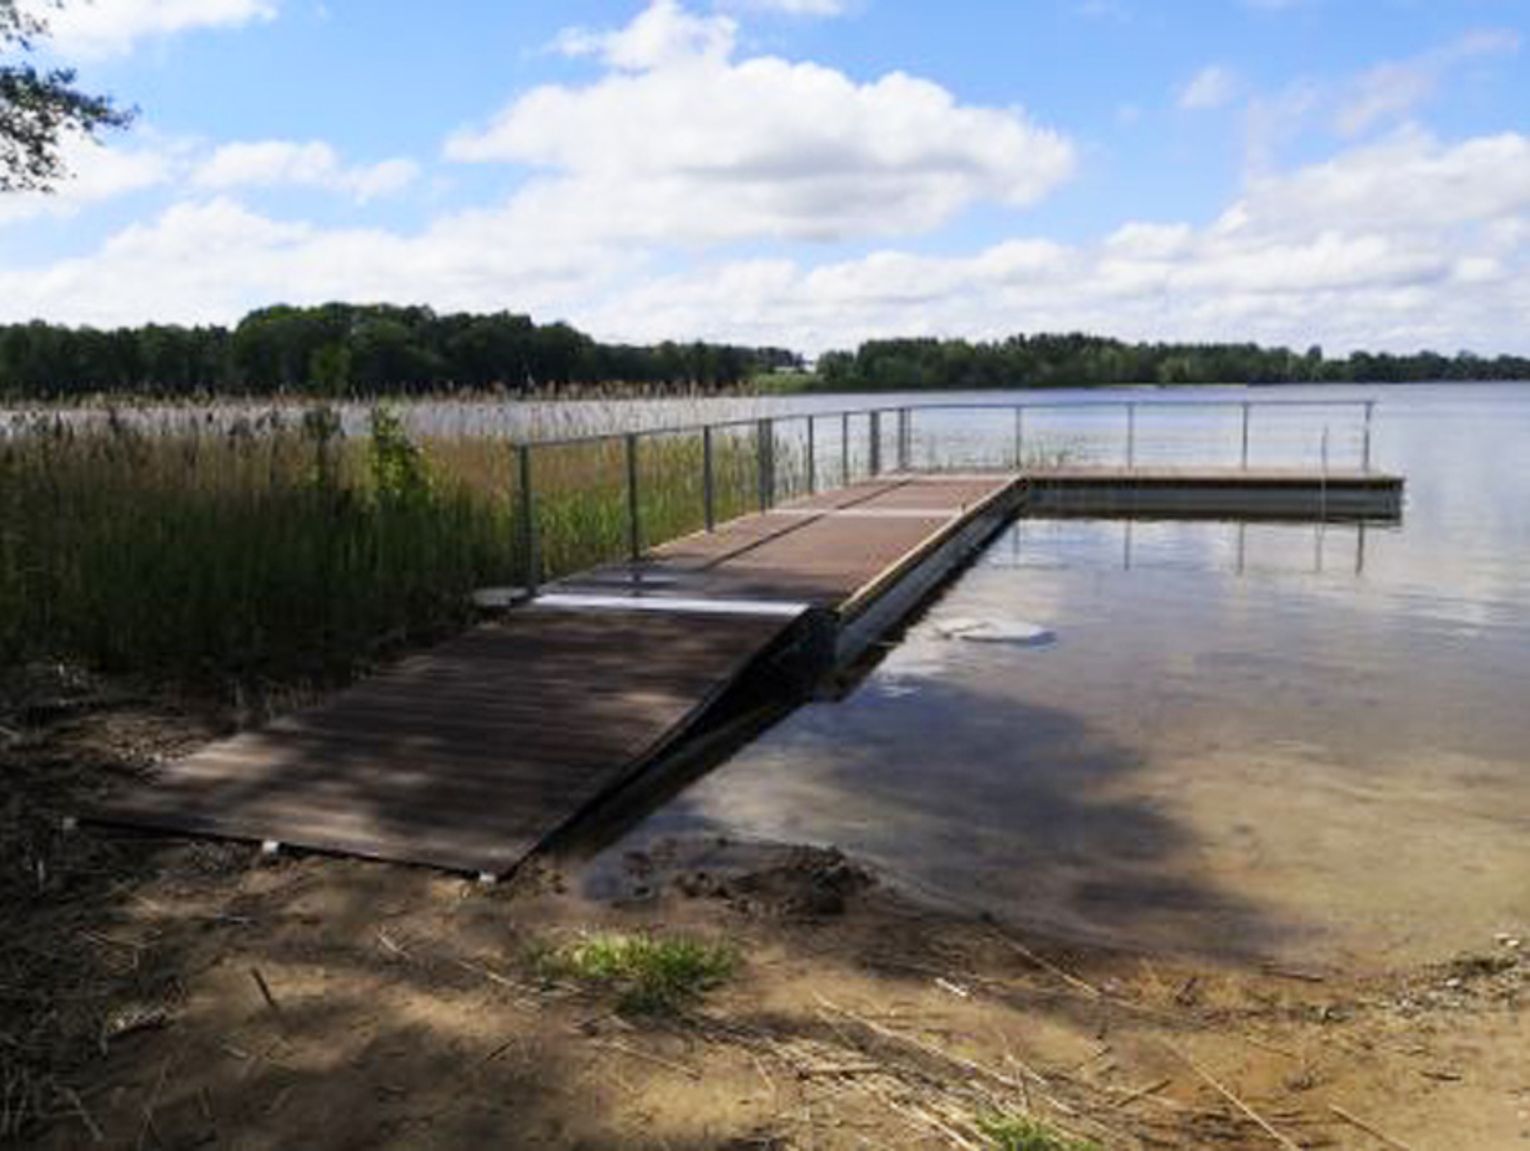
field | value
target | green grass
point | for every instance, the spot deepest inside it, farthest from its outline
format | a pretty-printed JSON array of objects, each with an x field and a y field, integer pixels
[
  {"x": 1006, "y": 1132},
  {"x": 649, "y": 975}
]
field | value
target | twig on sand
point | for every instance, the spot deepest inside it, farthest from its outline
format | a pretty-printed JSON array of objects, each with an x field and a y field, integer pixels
[
  {"x": 1355, "y": 1121},
  {"x": 920, "y": 1045},
  {"x": 1047, "y": 965},
  {"x": 1142, "y": 1093},
  {"x": 1259, "y": 1120},
  {"x": 265, "y": 991},
  {"x": 649, "y": 1057}
]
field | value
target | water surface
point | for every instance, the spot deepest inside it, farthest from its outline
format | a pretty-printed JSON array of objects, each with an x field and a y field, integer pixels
[{"x": 1263, "y": 739}]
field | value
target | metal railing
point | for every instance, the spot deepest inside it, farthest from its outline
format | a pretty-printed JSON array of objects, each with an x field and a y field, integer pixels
[{"x": 977, "y": 435}]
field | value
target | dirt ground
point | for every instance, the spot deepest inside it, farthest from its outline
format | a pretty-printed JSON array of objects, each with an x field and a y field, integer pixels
[{"x": 166, "y": 994}]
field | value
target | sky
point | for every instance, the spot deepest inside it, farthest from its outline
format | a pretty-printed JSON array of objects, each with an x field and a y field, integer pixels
[{"x": 804, "y": 173}]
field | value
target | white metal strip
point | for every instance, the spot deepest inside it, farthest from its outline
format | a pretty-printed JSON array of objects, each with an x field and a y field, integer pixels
[
  {"x": 570, "y": 601},
  {"x": 871, "y": 513}
]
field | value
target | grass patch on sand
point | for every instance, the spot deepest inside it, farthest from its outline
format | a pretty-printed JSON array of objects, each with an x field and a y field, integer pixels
[
  {"x": 650, "y": 975},
  {"x": 1006, "y": 1132}
]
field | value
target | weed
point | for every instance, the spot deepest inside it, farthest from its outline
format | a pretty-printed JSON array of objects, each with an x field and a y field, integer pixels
[
  {"x": 1007, "y": 1132},
  {"x": 650, "y": 975}
]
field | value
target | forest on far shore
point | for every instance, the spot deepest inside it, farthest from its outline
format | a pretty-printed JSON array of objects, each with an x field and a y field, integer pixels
[
  {"x": 344, "y": 350},
  {"x": 1078, "y": 360}
]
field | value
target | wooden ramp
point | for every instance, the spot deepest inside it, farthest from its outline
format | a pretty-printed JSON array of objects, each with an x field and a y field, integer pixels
[{"x": 468, "y": 756}]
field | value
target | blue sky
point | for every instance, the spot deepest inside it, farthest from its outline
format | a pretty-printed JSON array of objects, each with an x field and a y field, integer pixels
[{"x": 805, "y": 172}]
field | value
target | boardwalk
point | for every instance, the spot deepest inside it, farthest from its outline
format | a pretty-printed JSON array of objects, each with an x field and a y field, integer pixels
[{"x": 468, "y": 756}]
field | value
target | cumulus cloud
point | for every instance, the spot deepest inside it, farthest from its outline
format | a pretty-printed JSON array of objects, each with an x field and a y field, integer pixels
[
  {"x": 314, "y": 164},
  {"x": 108, "y": 27},
  {"x": 98, "y": 173},
  {"x": 1212, "y": 87},
  {"x": 1404, "y": 243},
  {"x": 1396, "y": 88},
  {"x": 682, "y": 140}
]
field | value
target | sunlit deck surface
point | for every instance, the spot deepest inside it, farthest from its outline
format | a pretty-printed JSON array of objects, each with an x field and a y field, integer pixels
[{"x": 468, "y": 756}]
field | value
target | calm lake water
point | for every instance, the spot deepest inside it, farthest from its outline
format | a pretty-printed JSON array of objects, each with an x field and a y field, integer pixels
[{"x": 1242, "y": 739}]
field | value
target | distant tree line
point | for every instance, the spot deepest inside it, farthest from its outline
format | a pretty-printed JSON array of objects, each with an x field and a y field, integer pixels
[
  {"x": 341, "y": 350},
  {"x": 347, "y": 350},
  {"x": 1077, "y": 360}
]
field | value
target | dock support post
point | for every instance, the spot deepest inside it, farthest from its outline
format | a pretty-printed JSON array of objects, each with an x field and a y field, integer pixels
[
  {"x": 874, "y": 421},
  {"x": 708, "y": 483},
  {"x": 1019, "y": 436},
  {"x": 1247, "y": 409},
  {"x": 844, "y": 449},
  {"x": 1365, "y": 443},
  {"x": 812, "y": 457},
  {"x": 634, "y": 528},
  {"x": 1131, "y": 436},
  {"x": 528, "y": 516}
]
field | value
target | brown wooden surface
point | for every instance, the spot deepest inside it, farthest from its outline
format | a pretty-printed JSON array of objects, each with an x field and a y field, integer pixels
[{"x": 469, "y": 755}]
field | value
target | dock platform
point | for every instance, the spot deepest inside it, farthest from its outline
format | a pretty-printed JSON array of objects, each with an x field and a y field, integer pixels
[{"x": 469, "y": 756}]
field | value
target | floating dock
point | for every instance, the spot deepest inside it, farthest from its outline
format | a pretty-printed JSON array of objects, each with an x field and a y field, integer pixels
[{"x": 471, "y": 755}]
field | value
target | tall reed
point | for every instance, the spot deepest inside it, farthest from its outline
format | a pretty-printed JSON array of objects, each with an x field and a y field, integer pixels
[{"x": 279, "y": 545}]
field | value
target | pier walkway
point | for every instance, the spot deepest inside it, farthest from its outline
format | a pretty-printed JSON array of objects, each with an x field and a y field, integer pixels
[{"x": 469, "y": 755}]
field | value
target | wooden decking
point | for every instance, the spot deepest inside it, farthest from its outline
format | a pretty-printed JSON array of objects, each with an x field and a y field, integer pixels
[{"x": 468, "y": 756}]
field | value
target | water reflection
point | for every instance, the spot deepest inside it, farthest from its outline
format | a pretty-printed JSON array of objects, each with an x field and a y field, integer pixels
[{"x": 1253, "y": 737}]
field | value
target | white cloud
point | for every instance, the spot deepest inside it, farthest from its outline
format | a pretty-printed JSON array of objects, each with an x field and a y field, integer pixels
[
  {"x": 681, "y": 141},
  {"x": 663, "y": 33},
  {"x": 1396, "y": 88},
  {"x": 107, "y": 27},
  {"x": 1212, "y": 87},
  {"x": 97, "y": 173},
  {"x": 271, "y": 163},
  {"x": 1405, "y": 243}
]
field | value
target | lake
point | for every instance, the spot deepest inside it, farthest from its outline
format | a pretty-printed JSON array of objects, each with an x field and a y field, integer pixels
[{"x": 1289, "y": 741}]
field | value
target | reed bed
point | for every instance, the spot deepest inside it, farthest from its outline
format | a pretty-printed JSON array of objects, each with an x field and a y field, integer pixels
[{"x": 283, "y": 546}]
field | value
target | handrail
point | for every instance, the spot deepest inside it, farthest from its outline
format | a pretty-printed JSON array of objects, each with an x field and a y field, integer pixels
[
  {"x": 764, "y": 427},
  {"x": 941, "y": 405}
]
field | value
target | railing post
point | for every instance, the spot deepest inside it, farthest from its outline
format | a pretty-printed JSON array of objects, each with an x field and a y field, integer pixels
[
  {"x": 844, "y": 449},
  {"x": 634, "y": 528},
  {"x": 874, "y": 423},
  {"x": 905, "y": 417},
  {"x": 812, "y": 457},
  {"x": 1323, "y": 493},
  {"x": 1131, "y": 436},
  {"x": 528, "y": 514},
  {"x": 708, "y": 484},
  {"x": 1019, "y": 436},
  {"x": 1365, "y": 449},
  {"x": 1247, "y": 409},
  {"x": 765, "y": 436}
]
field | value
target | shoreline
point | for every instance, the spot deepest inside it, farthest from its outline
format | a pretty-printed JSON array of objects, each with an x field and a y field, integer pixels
[{"x": 398, "y": 1007}]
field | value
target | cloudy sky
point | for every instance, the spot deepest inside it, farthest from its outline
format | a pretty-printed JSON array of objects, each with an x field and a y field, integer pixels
[{"x": 805, "y": 172}]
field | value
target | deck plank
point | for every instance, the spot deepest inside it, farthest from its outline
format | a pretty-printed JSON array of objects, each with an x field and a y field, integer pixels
[{"x": 470, "y": 755}]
